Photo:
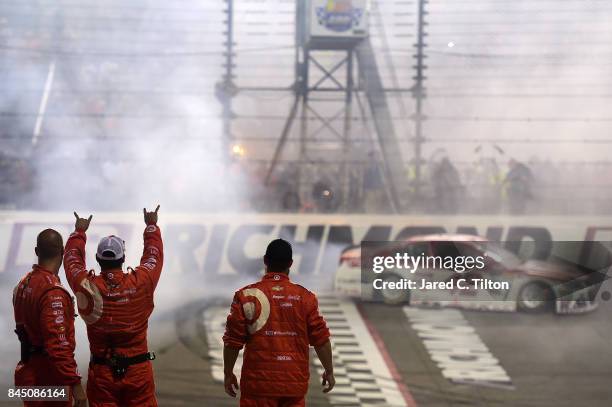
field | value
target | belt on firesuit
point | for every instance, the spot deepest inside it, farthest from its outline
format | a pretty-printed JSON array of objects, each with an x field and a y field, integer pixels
[
  {"x": 27, "y": 349},
  {"x": 119, "y": 364},
  {"x": 30, "y": 350}
]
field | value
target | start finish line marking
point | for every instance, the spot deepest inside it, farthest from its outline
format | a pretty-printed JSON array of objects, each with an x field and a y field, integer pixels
[
  {"x": 363, "y": 378},
  {"x": 454, "y": 345}
]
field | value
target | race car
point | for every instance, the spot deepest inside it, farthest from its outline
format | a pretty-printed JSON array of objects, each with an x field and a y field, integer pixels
[{"x": 536, "y": 285}]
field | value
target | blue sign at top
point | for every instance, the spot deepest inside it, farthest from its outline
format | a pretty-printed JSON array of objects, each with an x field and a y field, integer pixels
[{"x": 339, "y": 15}]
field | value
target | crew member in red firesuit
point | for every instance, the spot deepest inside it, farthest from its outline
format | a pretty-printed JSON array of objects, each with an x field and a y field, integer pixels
[
  {"x": 44, "y": 319},
  {"x": 116, "y": 307},
  {"x": 275, "y": 321}
]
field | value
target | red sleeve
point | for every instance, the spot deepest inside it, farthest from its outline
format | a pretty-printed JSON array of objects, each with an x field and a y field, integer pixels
[
  {"x": 152, "y": 259},
  {"x": 57, "y": 329},
  {"x": 74, "y": 259},
  {"x": 236, "y": 327},
  {"x": 318, "y": 333}
]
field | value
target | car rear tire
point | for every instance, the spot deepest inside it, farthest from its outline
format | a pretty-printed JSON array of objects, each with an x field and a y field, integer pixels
[
  {"x": 394, "y": 297},
  {"x": 536, "y": 297}
]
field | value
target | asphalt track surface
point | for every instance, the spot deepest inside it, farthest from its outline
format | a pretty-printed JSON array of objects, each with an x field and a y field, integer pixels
[{"x": 550, "y": 360}]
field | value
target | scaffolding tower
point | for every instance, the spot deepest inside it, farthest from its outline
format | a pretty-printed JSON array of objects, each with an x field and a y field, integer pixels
[{"x": 339, "y": 112}]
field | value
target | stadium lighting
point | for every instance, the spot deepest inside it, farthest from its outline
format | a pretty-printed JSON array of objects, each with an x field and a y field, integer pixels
[{"x": 238, "y": 150}]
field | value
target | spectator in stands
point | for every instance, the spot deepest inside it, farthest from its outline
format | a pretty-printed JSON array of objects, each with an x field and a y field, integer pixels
[
  {"x": 5, "y": 179},
  {"x": 259, "y": 192},
  {"x": 447, "y": 186},
  {"x": 16, "y": 179},
  {"x": 354, "y": 191},
  {"x": 373, "y": 186},
  {"x": 485, "y": 180},
  {"x": 286, "y": 186},
  {"x": 518, "y": 184}
]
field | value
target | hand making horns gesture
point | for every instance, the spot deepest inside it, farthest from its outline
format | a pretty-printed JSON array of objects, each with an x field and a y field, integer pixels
[
  {"x": 82, "y": 224},
  {"x": 150, "y": 218}
]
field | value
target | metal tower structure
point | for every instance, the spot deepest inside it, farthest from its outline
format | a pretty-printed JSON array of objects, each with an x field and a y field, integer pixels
[
  {"x": 226, "y": 89},
  {"x": 338, "y": 78},
  {"x": 340, "y": 113},
  {"x": 418, "y": 93},
  {"x": 322, "y": 101}
]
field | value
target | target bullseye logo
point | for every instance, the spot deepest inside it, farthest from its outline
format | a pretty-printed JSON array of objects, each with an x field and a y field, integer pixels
[{"x": 250, "y": 309}]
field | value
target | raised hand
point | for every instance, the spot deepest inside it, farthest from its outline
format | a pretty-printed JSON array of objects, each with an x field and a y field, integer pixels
[
  {"x": 82, "y": 224},
  {"x": 150, "y": 218}
]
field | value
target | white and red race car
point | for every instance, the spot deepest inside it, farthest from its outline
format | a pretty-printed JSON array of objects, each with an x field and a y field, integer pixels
[{"x": 536, "y": 285}]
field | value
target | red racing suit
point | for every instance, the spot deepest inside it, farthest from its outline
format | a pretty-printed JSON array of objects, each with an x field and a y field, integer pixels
[
  {"x": 44, "y": 311},
  {"x": 276, "y": 321},
  {"x": 116, "y": 307}
]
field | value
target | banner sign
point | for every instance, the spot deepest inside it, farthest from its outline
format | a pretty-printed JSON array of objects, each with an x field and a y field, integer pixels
[
  {"x": 338, "y": 18},
  {"x": 231, "y": 244}
]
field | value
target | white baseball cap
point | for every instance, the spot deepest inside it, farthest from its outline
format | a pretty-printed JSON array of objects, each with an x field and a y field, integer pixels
[{"x": 111, "y": 248}]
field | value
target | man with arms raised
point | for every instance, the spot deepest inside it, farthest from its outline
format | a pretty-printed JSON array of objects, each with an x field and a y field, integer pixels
[
  {"x": 116, "y": 307},
  {"x": 44, "y": 319},
  {"x": 275, "y": 321}
]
